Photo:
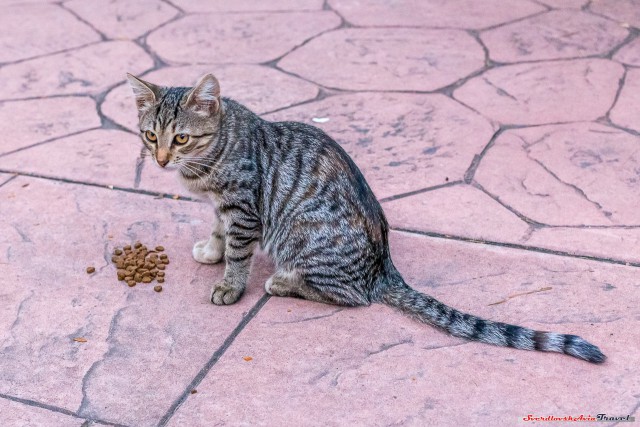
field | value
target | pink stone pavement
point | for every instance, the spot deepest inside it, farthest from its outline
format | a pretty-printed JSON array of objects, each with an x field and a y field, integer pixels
[{"x": 502, "y": 138}]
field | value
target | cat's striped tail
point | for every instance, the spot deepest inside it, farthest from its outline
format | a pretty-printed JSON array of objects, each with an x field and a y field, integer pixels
[{"x": 431, "y": 311}]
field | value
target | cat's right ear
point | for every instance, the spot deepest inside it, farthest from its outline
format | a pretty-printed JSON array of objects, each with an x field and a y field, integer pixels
[
  {"x": 204, "y": 98},
  {"x": 146, "y": 93}
]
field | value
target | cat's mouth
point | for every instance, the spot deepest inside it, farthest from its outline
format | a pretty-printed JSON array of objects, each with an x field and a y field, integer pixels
[{"x": 170, "y": 166}]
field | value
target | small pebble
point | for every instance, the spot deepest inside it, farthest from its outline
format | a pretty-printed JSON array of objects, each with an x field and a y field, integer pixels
[
  {"x": 91, "y": 270},
  {"x": 157, "y": 288}
]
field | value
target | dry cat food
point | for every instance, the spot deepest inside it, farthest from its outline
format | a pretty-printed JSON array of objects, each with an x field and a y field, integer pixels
[
  {"x": 138, "y": 264},
  {"x": 91, "y": 270}
]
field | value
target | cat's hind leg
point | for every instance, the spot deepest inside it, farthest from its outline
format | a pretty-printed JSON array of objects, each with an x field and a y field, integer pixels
[
  {"x": 292, "y": 284},
  {"x": 211, "y": 251}
]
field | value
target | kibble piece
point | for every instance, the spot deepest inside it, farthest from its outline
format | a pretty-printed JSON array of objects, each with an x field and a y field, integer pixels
[
  {"x": 160, "y": 273},
  {"x": 164, "y": 256},
  {"x": 146, "y": 279},
  {"x": 160, "y": 279},
  {"x": 127, "y": 247},
  {"x": 160, "y": 267},
  {"x": 159, "y": 248},
  {"x": 114, "y": 258},
  {"x": 131, "y": 283},
  {"x": 137, "y": 277},
  {"x": 137, "y": 245},
  {"x": 117, "y": 252},
  {"x": 157, "y": 288},
  {"x": 91, "y": 270},
  {"x": 165, "y": 261},
  {"x": 121, "y": 274}
]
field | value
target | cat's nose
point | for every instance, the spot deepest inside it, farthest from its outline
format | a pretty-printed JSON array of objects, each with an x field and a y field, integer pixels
[{"x": 162, "y": 156}]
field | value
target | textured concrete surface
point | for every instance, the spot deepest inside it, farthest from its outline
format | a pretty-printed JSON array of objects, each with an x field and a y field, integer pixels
[{"x": 501, "y": 137}]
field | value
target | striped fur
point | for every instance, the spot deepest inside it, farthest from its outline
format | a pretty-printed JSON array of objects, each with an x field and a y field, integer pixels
[{"x": 290, "y": 188}]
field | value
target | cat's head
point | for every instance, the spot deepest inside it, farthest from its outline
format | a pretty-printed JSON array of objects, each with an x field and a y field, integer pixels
[{"x": 177, "y": 123}]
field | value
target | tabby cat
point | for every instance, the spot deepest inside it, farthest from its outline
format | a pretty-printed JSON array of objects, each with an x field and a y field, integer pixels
[{"x": 293, "y": 190}]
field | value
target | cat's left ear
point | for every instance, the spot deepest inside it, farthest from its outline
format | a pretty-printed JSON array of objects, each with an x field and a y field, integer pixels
[
  {"x": 204, "y": 98},
  {"x": 146, "y": 93}
]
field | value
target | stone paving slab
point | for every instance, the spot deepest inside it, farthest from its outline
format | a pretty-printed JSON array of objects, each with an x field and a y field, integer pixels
[
  {"x": 45, "y": 119},
  {"x": 553, "y": 171},
  {"x": 40, "y": 29},
  {"x": 89, "y": 70},
  {"x": 460, "y": 210},
  {"x": 248, "y": 5},
  {"x": 544, "y": 92},
  {"x": 387, "y": 59},
  {"x": 553, "y": 35},
  {"x": 106, "y": 157},
  {"x": 143, "y": 348},
  {"x": 466, "y": 14},
  {"x": 121, "y": 19},
  {"x": 623, "y": 11},
  {"x": 565, "y": 4},
  {"x": 241, "y": 38},
  {"x": 317, "y": 365}
]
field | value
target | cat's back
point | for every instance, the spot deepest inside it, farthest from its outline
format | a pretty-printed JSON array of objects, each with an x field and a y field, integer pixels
[{"x": 310, "y": 158}]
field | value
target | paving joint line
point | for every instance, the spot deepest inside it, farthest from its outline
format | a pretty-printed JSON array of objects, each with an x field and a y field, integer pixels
[
  {"x": 621, "y": 82},
  {"x": 516, "y": 246},
  {"x": 420, "y": 191},
  {"x": 525, "y": 219},
  {"x": 8, "y": 180},
  {"x": 48, "y": 141},
  {"x": 214, "y": 359},
  {"x": 53, "y": 408},
  {"x": 477, "y": 158},
  {"x": 103, "y": 186},
  {"x": 79, "y": 18}
]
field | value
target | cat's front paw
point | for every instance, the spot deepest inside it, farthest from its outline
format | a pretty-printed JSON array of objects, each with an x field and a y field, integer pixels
[
  {"x": 208, "y": 251},
  {"x": 224, "y": 294}
]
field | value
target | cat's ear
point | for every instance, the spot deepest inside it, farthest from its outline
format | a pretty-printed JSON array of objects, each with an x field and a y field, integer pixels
[
  {"x": 204, "y": 98},
  {"x": 146, "y": 93}
]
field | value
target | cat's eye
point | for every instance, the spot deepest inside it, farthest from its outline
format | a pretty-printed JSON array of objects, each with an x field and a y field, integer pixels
[
  {"x": 151, "y": 136},
  {"x": 182, "y": 138}
]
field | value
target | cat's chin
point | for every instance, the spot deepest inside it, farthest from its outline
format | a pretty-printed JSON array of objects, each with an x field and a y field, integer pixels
[{"x": 169, "y": 168}]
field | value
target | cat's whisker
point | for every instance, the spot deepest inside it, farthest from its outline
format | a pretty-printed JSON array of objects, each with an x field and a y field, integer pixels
[
  {"x": 193, "y": 170},
  {"x": 197, "y": 163}
]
